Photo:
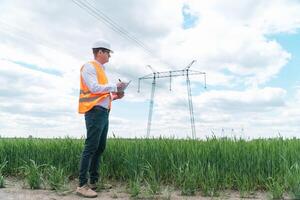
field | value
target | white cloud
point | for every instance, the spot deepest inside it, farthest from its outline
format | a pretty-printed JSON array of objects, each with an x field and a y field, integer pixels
[
  {"x": 266, "y": 16},
  {"x": 218, "y": 43},
  {"x": 252, "y": 100}
]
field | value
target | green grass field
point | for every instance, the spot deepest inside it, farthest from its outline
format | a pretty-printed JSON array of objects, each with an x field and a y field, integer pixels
[{"x": 208, "y": 166}]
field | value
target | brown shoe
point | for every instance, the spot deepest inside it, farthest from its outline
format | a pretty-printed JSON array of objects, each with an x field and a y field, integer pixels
[{"x": 85, "y": 191}]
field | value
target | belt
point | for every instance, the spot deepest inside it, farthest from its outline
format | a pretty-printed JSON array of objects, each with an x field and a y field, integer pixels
[{"x": 101, "y": 108}]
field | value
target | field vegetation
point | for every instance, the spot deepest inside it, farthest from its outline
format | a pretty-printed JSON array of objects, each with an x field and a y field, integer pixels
[{"x": 207, "y": 166}]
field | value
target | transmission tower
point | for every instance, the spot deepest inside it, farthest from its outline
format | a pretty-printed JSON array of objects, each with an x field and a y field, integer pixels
[{"x": 170, "y": 74}]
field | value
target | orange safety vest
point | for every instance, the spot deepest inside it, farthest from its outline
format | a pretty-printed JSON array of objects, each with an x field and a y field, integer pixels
[{"x": 87, "y": 100}]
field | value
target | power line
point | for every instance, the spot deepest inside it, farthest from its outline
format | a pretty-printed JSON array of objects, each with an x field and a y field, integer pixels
[
  {"x": 99, "y": 15},
  {"x": 102, "y": 17},
  {"x": 121, "y": 29}
]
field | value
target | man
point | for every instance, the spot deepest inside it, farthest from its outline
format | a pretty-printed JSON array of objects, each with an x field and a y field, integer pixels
[{"x": 96, "y": 95}]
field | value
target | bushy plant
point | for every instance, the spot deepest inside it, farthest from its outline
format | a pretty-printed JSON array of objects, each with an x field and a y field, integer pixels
[
  {"x": 33, "y": 174},
  {"x": 292, "y": 180},
  {"x": 56, "y": 178},
  {"x": 135, "y": 187},
  {"x": 187, "y": 180},
  {"x": 275, "y": 188},
  {"x": 2, "y": 183},
  {"x": 151, "y": 179}
]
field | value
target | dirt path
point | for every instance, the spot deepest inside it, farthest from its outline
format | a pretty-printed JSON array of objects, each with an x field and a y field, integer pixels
[{"x": 15, "y": 191}]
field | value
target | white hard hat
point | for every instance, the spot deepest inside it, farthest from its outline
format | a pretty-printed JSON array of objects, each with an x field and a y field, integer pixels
[{"x": 102, "y": 44}]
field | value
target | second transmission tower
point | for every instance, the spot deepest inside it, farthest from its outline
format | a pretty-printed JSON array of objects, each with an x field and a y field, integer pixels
[{"x": 169, "y": 74}]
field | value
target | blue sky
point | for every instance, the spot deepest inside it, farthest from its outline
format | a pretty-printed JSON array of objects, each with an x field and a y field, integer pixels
[
  {"x": 189, "y": 20},
  {"x": 37, "y": 68},
  {"x": 289, "y": 75},
  {"x": 249, "y": 50}
]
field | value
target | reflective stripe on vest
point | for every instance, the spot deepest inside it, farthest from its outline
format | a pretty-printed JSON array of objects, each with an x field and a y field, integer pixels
[{"x": 87, "y": 100}]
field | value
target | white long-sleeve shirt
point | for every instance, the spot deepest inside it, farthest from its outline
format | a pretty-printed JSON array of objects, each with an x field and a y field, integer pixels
[{"x": 89, "y": 76}]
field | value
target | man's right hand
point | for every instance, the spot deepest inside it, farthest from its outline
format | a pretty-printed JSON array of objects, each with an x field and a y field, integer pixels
[{"x": 121, "y": 86}]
